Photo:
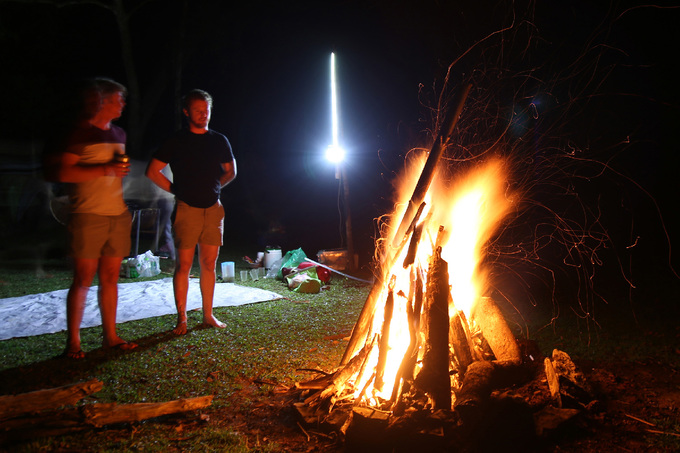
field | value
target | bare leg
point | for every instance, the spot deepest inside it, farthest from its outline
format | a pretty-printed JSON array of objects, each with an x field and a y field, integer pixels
[
  {"x": 109, "y": 270},
  {"x": 83, "y": 274},
  {"x": 207, "y": 257},
  {"x": 180, "y": 282}
]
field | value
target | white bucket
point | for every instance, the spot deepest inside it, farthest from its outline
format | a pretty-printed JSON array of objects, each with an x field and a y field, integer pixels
[
  {"x": 228, "y": 271},
  {"x": 271, "y": 257}
]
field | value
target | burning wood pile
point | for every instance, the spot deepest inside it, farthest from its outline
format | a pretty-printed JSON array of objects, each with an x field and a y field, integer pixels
[{"x": 431, "y": 363}]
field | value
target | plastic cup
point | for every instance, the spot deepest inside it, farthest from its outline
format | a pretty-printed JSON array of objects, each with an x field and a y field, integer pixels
[
  {"x": 228, "y": 271},
  {"x": 244, "y": 276},
  {"x": 253, "y": 274}
]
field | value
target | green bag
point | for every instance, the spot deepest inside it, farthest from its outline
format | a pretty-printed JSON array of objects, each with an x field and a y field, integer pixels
[
  {"x": 291, "y": 259},
  {"x": 304, "y": 281}
]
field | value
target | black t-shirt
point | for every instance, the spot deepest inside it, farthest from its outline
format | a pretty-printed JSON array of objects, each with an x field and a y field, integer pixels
[{"x": 196, "y": 163}]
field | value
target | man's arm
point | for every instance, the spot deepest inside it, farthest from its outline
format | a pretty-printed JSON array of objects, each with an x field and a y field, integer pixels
[
  {"x": 229, "y": 173},
  {"x": 70, "y": 169},
  {"x": 154, "y": 171}
]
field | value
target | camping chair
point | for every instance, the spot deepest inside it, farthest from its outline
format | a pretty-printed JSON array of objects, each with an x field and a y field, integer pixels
[{"x": 145, "y": 221}]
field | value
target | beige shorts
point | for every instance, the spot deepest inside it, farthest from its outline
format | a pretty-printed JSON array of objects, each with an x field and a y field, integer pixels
[
  {"x": 93, "y": 236},
  {"x": 198, "y": 226}
]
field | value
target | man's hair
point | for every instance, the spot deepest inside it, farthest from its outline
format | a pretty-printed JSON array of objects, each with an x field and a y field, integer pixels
[
  {"x": 107, "y": 87},
  {"x": 196, "y": 95},
  {"x": 91, "y": 91}
]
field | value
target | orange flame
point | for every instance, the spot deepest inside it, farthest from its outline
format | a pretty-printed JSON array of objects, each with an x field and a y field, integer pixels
[{"x": 470, "y": 207}]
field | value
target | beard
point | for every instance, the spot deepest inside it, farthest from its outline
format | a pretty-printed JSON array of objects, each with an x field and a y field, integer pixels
[{"x": 200, "y": 124}]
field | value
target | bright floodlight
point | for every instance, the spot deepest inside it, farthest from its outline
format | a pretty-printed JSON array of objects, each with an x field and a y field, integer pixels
[{"x": 334, "y": 153}]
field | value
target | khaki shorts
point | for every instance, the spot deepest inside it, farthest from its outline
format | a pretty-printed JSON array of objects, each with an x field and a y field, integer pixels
[
  {"x": 198, "y": 226},
  {"x": 93, "y": 236}
]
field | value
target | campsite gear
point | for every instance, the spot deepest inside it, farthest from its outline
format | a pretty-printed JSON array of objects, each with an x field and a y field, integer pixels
[
  {"x": 145, "y": 265},
  {"x": 304, "y": 280},
  {"x": 323, "y": 273},
  {"x": 337, "y": 259},
  {"x": 271, "y": 256}
]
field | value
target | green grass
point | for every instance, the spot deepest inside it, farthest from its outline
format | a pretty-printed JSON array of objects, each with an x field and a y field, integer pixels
[{"x": 265, "y": 342}]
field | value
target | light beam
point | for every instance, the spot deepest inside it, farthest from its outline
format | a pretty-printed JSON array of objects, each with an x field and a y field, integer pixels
[{"x": 334, "y": 153}]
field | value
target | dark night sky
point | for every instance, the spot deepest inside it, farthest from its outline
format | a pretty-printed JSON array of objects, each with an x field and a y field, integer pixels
[{"x": 266, "y": 65}]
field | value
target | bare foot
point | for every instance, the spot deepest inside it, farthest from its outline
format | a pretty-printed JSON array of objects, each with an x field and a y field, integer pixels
[
  {"x": 212, "y": 321},
  {"x": 76, "y": 355},
  {"x": 120, "y": 344},
  {"x": 181, "y": 328}
]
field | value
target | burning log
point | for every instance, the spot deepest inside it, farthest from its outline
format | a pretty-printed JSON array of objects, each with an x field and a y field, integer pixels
[
  {"x": 408, "y": 363},
  {"x": 434, "y": 377},
  {"x": 415, "y": 238},
  {"x": 490, "y": 320},
  {"x": 438, "y": 147},
  {"x": 338, "y": 379},
  {"x": 460, "y": 344},
  {"x": 475, "y": 391},
  {"x": 383, "y": 345}
]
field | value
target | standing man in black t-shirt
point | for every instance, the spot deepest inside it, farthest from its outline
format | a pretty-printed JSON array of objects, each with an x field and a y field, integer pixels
[{"x": 202, "y": 163}]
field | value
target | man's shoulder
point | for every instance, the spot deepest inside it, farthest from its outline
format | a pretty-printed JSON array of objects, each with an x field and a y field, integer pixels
[
  {"x": 218, "y": 135},
  {"x": 85, "y": 134},
  {"x": 117, "y": 133},
  {"x": 219, "y": 138}
]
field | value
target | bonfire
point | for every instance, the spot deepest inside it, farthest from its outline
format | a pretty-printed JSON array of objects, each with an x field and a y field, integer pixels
[{"x": 431, "y": 353}]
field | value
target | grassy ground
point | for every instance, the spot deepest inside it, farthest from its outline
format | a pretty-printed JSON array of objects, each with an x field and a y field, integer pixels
[
  {"x": 261, "y": 349},
  {"x": 262, "y": 352}
]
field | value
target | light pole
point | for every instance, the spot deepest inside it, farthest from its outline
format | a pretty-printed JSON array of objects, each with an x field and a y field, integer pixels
[{"x": 336, "y": 154}]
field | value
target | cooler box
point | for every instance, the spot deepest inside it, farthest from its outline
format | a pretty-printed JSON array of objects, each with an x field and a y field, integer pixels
[{"x": 337, "y": 259}]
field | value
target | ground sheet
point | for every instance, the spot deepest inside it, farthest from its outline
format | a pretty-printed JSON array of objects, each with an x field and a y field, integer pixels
[{"x": 39, "y": 314}]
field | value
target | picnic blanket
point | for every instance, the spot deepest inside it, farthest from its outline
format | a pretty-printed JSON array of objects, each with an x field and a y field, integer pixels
[{"x": 39, "y": 314}]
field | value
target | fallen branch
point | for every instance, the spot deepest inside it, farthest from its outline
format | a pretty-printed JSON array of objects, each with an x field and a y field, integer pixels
[
  {"x": 74, "y": 419},
  {"x": 639, "y": 420},
  {"x": 654, "y": 431},
  {"x": 44, "y": 400}
]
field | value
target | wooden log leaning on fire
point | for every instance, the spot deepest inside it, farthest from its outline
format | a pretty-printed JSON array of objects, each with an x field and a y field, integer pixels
[
  {"x": 486, "y": 314},
  {"x": 404, "y": 376},
  {"x": 434, "y": 376},
  {"x": 481, "y": 376},
  {"x": 337, "y": 380},
  {"x": 384, "y": 343},
  {"x": 460, "y": 344},
  {"x": 426, "y": 177},
  {"x": 415, "y": 238}
]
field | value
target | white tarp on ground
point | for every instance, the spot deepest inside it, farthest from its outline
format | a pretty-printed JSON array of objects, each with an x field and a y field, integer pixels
[{"x": 38, "y": 314}]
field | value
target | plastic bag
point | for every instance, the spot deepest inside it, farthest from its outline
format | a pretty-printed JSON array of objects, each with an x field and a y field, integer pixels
[
  {"x": 145, "y": 265},
  {"x": 291, "y": 259}
]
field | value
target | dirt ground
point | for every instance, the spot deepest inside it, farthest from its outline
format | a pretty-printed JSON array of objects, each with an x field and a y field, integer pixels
[
  {"x": 632, "y": 403},
  {"x": 634, "y": 407}
]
